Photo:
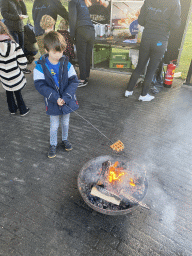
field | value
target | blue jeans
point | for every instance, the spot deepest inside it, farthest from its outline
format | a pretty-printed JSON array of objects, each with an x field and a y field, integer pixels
[{"x": 54, "y": 125}]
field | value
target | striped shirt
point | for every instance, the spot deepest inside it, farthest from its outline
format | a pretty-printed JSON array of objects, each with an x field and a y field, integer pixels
[{"x": 12, "y": 61}]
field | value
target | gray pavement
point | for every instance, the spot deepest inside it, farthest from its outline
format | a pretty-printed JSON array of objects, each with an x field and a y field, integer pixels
[{"x": 41, "y": 210}]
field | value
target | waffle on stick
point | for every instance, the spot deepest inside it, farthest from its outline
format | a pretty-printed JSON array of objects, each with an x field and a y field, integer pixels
[{"x": 117, "y": 146}]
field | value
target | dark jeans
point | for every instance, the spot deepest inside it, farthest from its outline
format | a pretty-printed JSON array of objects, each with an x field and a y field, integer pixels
[
  {"x": 85, "y": 37},
  {"x": 20, "y": 102},
  {"x": 18, "y": 37},
  {"x": 152, "y": 50}
]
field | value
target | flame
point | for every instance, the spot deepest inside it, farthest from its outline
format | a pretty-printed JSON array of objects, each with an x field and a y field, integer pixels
[
  {"x": 132, "y": 183},
  {"x": 115, "y": 173}
]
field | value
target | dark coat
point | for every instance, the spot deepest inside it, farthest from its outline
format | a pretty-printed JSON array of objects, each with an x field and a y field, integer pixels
[
  {"x": 159, "y": 17},
  {"x": 46, "y": 86},
  {"x": 47, "y": 7},
  {"x": 78, "y": 16},
  {"x": 10, "y": 10}
]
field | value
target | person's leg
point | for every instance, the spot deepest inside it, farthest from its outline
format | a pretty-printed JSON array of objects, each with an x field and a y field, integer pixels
[
  {"x": 89, "y": 49},
  {"x": 21, "y": 40},
  {"x": 20, "y": 103},
  {"x": 65, "y": 128},
  {"x": 54, "y": 125},
  {"x": 158, "y": 49},
  {"x": 21, "y": 43},
  {"x": 15, "y": 36},
  {"x": 11, "y": 102},
  {"x": 81, "y": 45},
  {"x": 144, "y": 52}
]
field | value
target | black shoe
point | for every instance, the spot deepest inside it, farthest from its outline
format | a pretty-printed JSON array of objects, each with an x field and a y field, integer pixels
[
  {"x": 81, "y": 84},
  {"x": 26, "y": 71},
  {"x": 30, "y": 59},
  {"x": 67, "y": 145},
  {"x": 52, "y": 151},
  {"x": 26, "y": 112}
]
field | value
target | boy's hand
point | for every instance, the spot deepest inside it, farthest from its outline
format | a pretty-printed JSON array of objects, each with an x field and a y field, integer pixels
[{"x": 60, "y": 102}]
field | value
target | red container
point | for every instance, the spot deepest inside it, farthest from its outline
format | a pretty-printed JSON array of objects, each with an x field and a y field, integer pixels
[{"x": 169, "y": 74}]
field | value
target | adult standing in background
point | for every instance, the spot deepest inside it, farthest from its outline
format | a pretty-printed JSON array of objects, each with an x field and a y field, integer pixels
[
  {"x": 46, "y": 7},
  {"x": 157, "y": 17},
  {"x": 13, "y": 12},
  {"x": 83, "y": 35}
]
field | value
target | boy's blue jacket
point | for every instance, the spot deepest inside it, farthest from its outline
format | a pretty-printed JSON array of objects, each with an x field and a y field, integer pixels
[{"x": 46, "y": 86}]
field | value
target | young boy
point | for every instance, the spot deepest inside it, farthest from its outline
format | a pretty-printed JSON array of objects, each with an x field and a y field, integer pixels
[
  {"x": 47, "y": 23},
  {"x": 56, "y": 80}
]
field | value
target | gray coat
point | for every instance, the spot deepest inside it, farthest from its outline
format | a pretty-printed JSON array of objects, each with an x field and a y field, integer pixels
[{"x": 10, "y": 10}]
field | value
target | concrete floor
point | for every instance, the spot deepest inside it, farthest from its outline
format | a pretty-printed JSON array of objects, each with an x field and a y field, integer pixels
[{"x": 41, "y": 210}]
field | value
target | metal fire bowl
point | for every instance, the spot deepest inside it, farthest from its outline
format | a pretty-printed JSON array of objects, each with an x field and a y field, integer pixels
[{"x": 90, "y": 174}]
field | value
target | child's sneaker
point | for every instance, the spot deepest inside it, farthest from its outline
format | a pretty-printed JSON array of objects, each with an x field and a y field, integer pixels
[
  {"x": 146, "y": 97},
  {"x": 67, "y": 145},
  {"x": 128, "y": 93},
  {"x": 52, "y": 151}
]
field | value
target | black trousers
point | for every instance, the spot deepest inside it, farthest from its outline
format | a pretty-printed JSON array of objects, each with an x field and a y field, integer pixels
[
  {"x": 152, "y": 50},
  {"x": 85, "y": 37},
  {"x": 12, "y": 106}
]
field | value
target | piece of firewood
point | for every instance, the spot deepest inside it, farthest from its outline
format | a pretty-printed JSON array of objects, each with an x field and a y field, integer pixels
[
  {"x": 132, "y": 199},
  {"x": 109, "y": 198},
  {"x": 105, "y": 168}
]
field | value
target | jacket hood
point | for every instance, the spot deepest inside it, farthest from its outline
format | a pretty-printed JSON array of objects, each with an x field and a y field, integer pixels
[{"x": 7, "y": 47}]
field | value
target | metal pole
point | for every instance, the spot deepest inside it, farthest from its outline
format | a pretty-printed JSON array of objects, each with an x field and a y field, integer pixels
[{"x": 189, "y": 76}]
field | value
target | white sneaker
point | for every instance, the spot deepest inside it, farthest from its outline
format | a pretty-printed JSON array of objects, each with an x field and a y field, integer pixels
[
  {"x": 128, "y": 93},
  {"x": 146, "y": 97}
]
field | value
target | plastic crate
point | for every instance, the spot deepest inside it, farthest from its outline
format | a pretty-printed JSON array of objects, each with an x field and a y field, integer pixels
[
  {"x": 101, "y": 56},
  {"x": 101, "y": 53},
  {"x": 120, "y": 64},
  {"x": 119, "y": 58}
]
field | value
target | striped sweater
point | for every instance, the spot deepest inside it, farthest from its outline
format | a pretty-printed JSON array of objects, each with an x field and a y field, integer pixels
[{"x": 12, "y": 61}]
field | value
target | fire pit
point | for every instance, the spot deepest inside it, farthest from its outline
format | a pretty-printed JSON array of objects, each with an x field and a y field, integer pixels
[{"x": 112, "y": 186}]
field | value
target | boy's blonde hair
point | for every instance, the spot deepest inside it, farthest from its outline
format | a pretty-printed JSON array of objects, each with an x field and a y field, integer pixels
[
  {"x": 4, "y": 30},
  {"x": 63, "y": 25},
  {"x": 54, "y": 41},
  {"x": 47, "y": 22}
]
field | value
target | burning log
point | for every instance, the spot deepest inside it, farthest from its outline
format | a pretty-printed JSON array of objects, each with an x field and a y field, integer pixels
[
  {"x": 112, "y": 186},
  {"x": 113, "y": 173},
  {"x": 105, "y": 168},
  {"x": 132, "y": 200},
  {"x": 105, "y": 195}
]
